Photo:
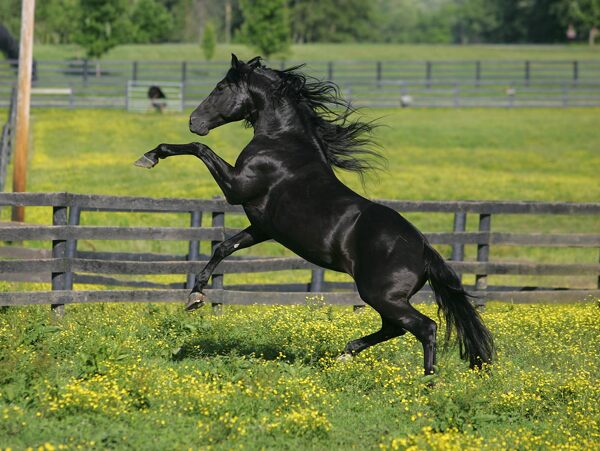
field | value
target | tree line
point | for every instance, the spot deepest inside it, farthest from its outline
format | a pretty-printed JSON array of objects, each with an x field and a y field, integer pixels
[{"x": 271, "y": 25}]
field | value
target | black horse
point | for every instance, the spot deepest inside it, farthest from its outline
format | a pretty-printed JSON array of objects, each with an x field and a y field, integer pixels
[{"x": 285, "y": 181}]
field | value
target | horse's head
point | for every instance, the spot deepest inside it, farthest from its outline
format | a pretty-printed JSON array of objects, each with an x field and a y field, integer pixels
[{"x": 229, "y": 101}]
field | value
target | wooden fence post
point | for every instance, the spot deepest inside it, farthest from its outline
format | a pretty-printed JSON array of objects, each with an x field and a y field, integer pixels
[
  {"x": 194, "y": 247},
  {"x": 428, "y": 73},
  {"x": 134, "y": 71},
  {"x": 458, "y": 250},
  {"x": 59, "y": 218},
  {"x": 184, "y": 76},
  {"x": 330, "y": 71},
  {"x": 85, "y": 71},
  {"x": 483, "y": 255},
  {"x": 20, "y": 159},
  {"x": 218, "y": 220},
  {"x": 477, "y": 71},
  {"x": 575, "y": 71},
  {"x": 316, "y": 280},
  {"x": 379, "y": 73},
  {"x": 527, "y": 72},
  {"x": 71, "y": 246}
]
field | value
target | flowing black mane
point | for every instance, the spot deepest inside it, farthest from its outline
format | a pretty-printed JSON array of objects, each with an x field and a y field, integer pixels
[{"x": 347, "y": 142}]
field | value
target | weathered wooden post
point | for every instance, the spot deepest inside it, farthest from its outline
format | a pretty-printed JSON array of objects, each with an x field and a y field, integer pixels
[
  {"x": 428, "y": 73},
  {"x": 59, "y": 278},
  {"x": 218, "y": 220},
  {"x": 23, "y": 105},
  {"x": 194, "y": 247},
  {"x": 483, "y": 254},
  {"x": 184, "y": 76},
  {"x": 316, "y": 280},
  {"x": 458, "y": 249},
  {"x": 71, "y": 246},
  {"x": 85, "y": 71},
  {"x": 575, "y": 71},
  {"x": 477, "y": 71},
  {"x": 134, "y": 71},
  {"x": 183, "y": 72},
  {"x": 330, "y": 71},
  {"x": 379, "y": 73},
  {"x": 527, "y": 72}
]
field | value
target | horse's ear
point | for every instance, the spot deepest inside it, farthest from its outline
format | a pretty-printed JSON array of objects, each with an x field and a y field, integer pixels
[
  {"x": 254, "y": 62},
  {"x": 235, "y": 63}
]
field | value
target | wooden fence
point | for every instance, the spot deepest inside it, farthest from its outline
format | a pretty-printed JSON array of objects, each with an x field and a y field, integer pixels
[
  {"x": 471, "y": 83},
  {"x": 6, "y": 140},
  {"x": 62, "y": 264}
]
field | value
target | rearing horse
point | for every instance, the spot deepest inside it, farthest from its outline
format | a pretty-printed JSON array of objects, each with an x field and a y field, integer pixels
[{"x": 284, "y": 180}]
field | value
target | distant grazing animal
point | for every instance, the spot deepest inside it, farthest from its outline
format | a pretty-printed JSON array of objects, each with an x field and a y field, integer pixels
[
  {"x": 285, "y": 181},
  {"x": 158, "y": 99}
]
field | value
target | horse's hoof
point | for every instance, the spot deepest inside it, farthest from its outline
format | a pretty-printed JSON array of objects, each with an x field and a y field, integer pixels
[
  {"x": 145, "y": 162},
  {"x": 344, "y": 357},
  {"x": 195, "y": 300}
]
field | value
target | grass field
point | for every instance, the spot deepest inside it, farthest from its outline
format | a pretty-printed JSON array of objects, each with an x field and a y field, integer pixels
[
  {"x": 545, "y": 155},
  {"x": 152, "y": 377},
  {"x": 354, "y": 51}
]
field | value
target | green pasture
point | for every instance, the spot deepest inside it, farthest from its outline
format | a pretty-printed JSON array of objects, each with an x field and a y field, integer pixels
[
  {"x": 123, "y": 376},
  {"x": 153, "y": 377},
  {"x": 353, "y": 51},
  {"x": 444, "y": 154}
]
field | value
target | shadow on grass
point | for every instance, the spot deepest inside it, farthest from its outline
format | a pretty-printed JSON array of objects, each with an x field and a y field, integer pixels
[{"x": 237, "y": 346}]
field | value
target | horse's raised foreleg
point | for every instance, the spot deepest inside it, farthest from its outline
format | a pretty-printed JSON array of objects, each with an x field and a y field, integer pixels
[
  {"x": 150, "y": 158},
  {"x": 246, "y": 238},
  {"x": 234, "y": 185}
]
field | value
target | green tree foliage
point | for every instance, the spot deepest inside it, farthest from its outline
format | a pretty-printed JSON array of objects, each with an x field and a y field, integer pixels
[
  {"x": 209, "y": 41},
  {"x": 266, "y": 25},
  {"x": 269, "y": 25},
  {"x": 473, "y": 20},
  {"x": 584, "y": 15},
  {"x": 103, "y": 25},
  {"x": 332, "y": 20},
  {"x": 151, "y": 22},
  {"x": 57, "y": 21},
  {"x": 10, "y": 16}
]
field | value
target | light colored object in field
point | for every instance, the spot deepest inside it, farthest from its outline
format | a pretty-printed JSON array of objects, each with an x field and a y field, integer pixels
[
  {"x": 345, "y": 357},
  {"x": 406, "y": 100},
  {"x": 52, "y": 91},
  {"x": 137, "y": 96}
]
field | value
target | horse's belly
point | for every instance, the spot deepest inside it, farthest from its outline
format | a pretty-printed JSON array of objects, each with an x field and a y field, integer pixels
[{"x": 318, "y": 229}]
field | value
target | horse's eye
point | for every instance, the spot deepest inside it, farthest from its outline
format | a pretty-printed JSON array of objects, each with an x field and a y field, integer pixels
[{"x": 220, "y": 87}]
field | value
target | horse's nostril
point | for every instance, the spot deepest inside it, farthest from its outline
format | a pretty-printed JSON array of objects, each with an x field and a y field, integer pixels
[{"x": 198, "y": 126}]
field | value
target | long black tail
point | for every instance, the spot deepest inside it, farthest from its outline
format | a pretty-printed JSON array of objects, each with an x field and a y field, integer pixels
[{"x": 474, "y": 339}]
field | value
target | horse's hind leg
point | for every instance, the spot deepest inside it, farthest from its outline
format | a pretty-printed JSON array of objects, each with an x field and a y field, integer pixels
[
  {"x": 404, "y": 315},
  {"x": 388, "y": 331}
]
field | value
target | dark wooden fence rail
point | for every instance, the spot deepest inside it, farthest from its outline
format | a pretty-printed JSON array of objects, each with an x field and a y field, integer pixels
[{"x": 63, "y": 265}]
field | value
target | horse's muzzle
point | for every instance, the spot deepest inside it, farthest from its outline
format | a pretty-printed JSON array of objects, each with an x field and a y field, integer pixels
[{"x": 198, "y": 126}]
